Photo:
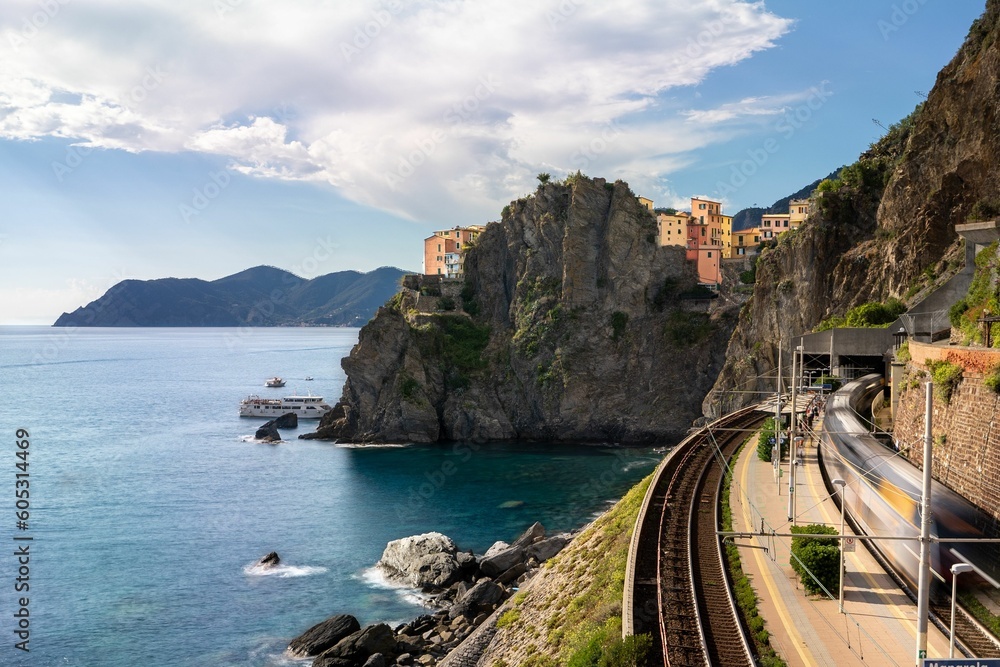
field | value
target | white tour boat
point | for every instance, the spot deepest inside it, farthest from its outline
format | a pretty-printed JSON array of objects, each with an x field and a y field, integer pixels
[
  {"x": 306, "y": 407},
  {"x": 275, "y": 382}
]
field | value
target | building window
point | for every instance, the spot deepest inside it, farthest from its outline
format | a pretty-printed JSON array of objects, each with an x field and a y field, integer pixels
[
  {"x": 702, "y": 231},
  {"x": 710, "y": 254}
]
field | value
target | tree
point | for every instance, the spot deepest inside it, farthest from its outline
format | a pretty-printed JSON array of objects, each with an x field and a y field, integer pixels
[{"x": 543, "y": 178}]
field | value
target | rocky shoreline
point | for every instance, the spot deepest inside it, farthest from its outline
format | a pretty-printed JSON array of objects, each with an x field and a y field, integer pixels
[{"x": 464, "y": 588}]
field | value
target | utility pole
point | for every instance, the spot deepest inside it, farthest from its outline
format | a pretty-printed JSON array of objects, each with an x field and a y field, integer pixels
[
  {"x": 923, "y": 584},
  {"x": 777, "y": 425},
  {"x": 791, "y": 447}
]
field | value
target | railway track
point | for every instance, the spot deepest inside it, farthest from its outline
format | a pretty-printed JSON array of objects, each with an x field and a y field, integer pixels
[{"x": 680, "y": 592}]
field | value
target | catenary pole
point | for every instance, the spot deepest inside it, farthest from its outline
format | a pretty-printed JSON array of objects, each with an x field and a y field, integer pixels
[
  {"x": 923, "y": 582},
  {"x": 791, "y": 448}
]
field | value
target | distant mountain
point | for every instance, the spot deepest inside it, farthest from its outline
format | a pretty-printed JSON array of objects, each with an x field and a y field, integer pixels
[
  {"x": 750, "y": 217},
  {"x": 261, "y": 296}
]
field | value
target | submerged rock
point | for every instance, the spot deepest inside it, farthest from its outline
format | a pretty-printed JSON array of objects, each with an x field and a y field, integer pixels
[{"x": 323, "y": 635}]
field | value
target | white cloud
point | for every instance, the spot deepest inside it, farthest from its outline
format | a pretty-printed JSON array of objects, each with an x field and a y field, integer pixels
[{"x": 435, "y": 109}]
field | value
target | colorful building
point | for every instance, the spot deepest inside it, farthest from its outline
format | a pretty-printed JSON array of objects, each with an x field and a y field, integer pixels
[
  {"x": 706, "y": 240},
  {"x": 672, "y": 228},
  {"x": 444, "y": 252},
  {"x": 745, "y": 242},
  {"x": 648, "y": 203},
  {"x": 798, "y": 210},
  {"x": 772, "y": 224}
]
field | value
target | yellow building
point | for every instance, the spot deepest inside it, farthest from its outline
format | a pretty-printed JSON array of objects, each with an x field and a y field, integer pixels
[
  {"x": 798, "y": 210},
  {"x": 673, "y": 228},
  {"x": 648, "y": 203},
  {"x": 745, "y": 242},
  {"x": 727, "y": 235}
]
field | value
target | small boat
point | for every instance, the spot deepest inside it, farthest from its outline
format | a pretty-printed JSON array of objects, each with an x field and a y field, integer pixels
[
  {"x": 308, "y": 378},
  {"x": 275, "y": 382},
  {"x": 305, "y": 407}
]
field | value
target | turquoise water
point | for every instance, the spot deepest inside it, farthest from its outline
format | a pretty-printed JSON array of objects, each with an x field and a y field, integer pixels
[{"x": 148, "y": 504}]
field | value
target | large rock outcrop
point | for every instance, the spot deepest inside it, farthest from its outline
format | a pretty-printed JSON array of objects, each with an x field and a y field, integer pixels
[
  {"x": 890, "y": 230},
  {"x": 571, "y": 326}
]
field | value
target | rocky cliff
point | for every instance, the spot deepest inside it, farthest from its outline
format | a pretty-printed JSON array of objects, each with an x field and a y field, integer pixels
[
  {"x": 886, "y": 227},
  {"x": 571, "y": 324}
]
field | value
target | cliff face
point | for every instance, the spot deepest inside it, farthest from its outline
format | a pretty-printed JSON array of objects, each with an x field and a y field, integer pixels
[
  {"x": 890, "y": 229},
  {"x": 578, "y": 332}
]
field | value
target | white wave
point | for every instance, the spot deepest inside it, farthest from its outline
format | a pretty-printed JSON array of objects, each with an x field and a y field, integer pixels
[
  {"x": 362, "y": 445},
  {"x": 376, "y": 577},
  {"x": 640, "y": 463},
  {"x": 281, "y": 570}
]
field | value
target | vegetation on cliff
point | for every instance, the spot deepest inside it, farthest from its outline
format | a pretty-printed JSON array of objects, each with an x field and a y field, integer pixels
[
  {"x": 571, "y": 614},
  {"x": 571, "y": 323},
  {"x": 982, "y": 299}
]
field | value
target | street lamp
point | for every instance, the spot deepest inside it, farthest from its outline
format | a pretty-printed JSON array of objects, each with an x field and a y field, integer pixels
[
  {"x": 956, "y": 569},
  {"x": 841, "y": 484}
]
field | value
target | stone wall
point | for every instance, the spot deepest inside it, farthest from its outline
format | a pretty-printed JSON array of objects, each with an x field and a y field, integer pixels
[{"x": 966, "y": 435}]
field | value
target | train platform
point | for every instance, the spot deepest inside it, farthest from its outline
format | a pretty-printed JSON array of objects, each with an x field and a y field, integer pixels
[{"x": 879, "y": 625}]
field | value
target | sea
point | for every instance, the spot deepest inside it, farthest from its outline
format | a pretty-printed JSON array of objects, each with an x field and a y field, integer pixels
[{"x": 149, "y": 501}]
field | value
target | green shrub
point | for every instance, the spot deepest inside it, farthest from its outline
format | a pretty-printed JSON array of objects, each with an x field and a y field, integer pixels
[
  {"x": 408, "y": 387},
  {"x": 874, "y": 314},
  {"x": 992, "y": 379},
  {"x": 818, "y": 556},
  {"x": 619, "y": 321},
  {"x": 765, "y": 444},
  {"x": 684, "y": 328},
  {"x": 543, "y": 178},
  {"x": 605, "y": 647},
  {"x": 903, "y": 353},
  {"x": 834, "y": 382},
  {"x": 509, "y": 617},
  {"x": 469, "y": 303},
  {"x": 946, "y": 376},
  {"x": 446, "y": 303},
  {"x": 984, "y": 209},
  {"x": 747, "y": 277}
]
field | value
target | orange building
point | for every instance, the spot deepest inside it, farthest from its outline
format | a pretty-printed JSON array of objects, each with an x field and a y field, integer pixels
[
  {"x": 772, "y": 224},
  {"x": 444, "y": 252},
  {"x": 706, "y": 239}
]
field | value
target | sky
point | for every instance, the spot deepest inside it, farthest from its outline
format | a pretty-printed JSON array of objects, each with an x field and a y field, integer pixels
[{"x": 153, "y": 138}]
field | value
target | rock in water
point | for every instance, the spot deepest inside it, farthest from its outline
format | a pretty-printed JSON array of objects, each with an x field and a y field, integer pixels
[
  {"x": 323, "y": 635},
  {"x": 422, "y": 560},
  {"x": 287, "y": 421},
  {"x": 268, "y": 433},
  {"x": 269, "y": 560},
  {"x": 356, "y": 648}
]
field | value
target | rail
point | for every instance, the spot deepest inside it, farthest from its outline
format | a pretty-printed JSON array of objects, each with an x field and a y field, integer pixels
[{"x": 680, "y": 598}]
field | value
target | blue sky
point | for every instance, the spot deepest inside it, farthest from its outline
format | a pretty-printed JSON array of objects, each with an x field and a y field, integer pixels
[{"x": 196, "y": 139}]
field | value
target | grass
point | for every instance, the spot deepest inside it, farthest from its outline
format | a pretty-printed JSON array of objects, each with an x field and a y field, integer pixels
[{"x": 980, "y": 613}]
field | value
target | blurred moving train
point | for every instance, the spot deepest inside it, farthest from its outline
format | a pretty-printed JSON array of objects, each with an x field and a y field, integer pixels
[{"x": 883, "y": 494}]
